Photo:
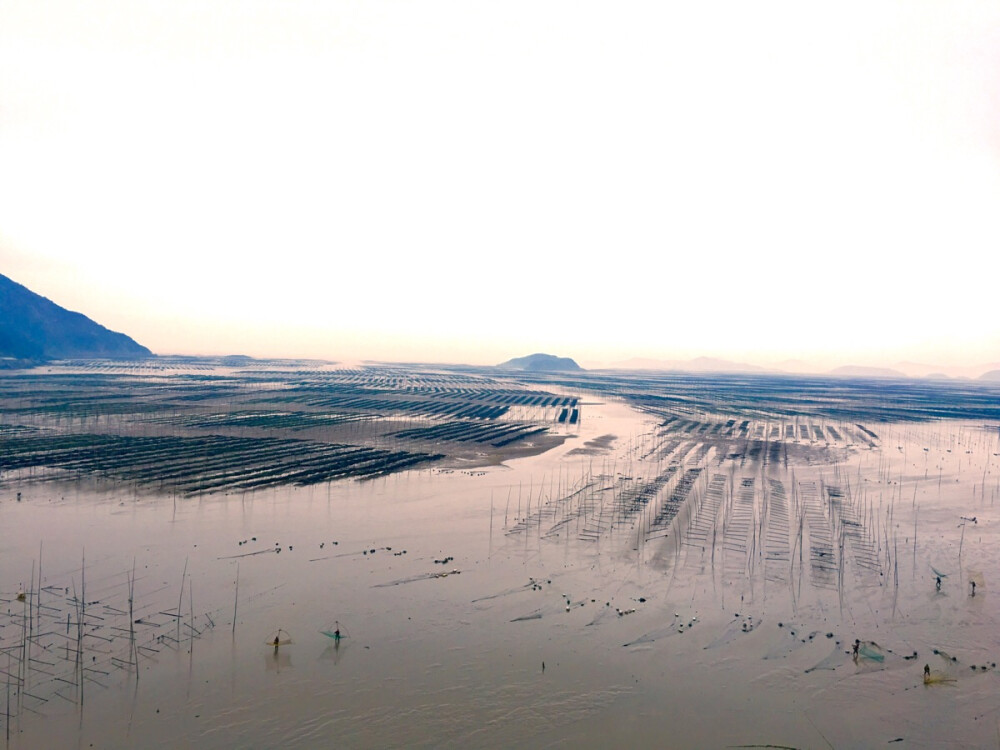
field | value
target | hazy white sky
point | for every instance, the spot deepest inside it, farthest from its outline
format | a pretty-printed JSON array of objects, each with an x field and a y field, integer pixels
[{"x": 470, "y": 181}]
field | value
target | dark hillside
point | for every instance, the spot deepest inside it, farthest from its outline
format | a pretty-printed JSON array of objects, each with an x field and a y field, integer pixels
[{"x": 35, "y": 328}]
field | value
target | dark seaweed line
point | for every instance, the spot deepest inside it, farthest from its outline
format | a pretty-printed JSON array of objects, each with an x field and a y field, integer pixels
[{"x": 206, "y": 464}]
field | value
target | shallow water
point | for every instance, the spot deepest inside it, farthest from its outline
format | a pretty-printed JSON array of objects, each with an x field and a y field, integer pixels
[{"x": 559, "y": 560}]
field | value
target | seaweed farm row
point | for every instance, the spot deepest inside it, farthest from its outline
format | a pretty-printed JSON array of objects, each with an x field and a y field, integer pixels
[
  {"x": 193, "y": 465},
  {"x": 386, "y": 406},
  {"x": 795, "y": 429},
  {"x": 745, "y": 528},
  {"x": 740, "y": 526},
  {"x": 260, "y": 420},
  {"x": 234, "y": 424},
  {"x": 497, "y": 435},
  {"x": 751, "y": 395},
  {"x": 376, "y": 391}
]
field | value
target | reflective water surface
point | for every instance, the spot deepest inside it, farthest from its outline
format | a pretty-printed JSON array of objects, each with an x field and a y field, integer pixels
[{"x": 695, "y": 580}]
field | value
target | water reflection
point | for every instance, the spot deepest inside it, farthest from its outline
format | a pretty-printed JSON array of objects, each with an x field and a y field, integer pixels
[{"x": 279, "y": 659}]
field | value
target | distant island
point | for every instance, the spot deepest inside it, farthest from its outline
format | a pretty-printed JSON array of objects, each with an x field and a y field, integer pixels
[
  {"x": 34, "y": 329},
  {"x": 541, "y": 363}
]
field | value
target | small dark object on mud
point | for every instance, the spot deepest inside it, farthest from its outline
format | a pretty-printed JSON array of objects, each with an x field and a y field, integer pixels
[
  {"x": 642, "y": 599},
  {"x": 829, "y": 635}
]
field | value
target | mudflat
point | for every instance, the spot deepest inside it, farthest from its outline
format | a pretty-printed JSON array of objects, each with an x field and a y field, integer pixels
[{"x": 584, "y": 560}]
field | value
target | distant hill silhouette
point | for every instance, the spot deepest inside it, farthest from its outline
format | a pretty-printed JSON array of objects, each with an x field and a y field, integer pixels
[
  {"x": 35, "y": 328},
  {"x": 541, "y": 363},
  {"x": 859, "y": 371},
  {"x": 992, "y": 376},
  {"x": 698, "y": 364}
]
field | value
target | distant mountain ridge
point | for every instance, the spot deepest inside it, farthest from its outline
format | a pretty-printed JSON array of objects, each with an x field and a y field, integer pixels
[
  {"x": 698, "y": 364},
  {"x": 34, "y": 328},
  {"x": 905, "y": 370},
  {"x": 541, "y": 363},
  {"x": 860, "y": 371}
]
